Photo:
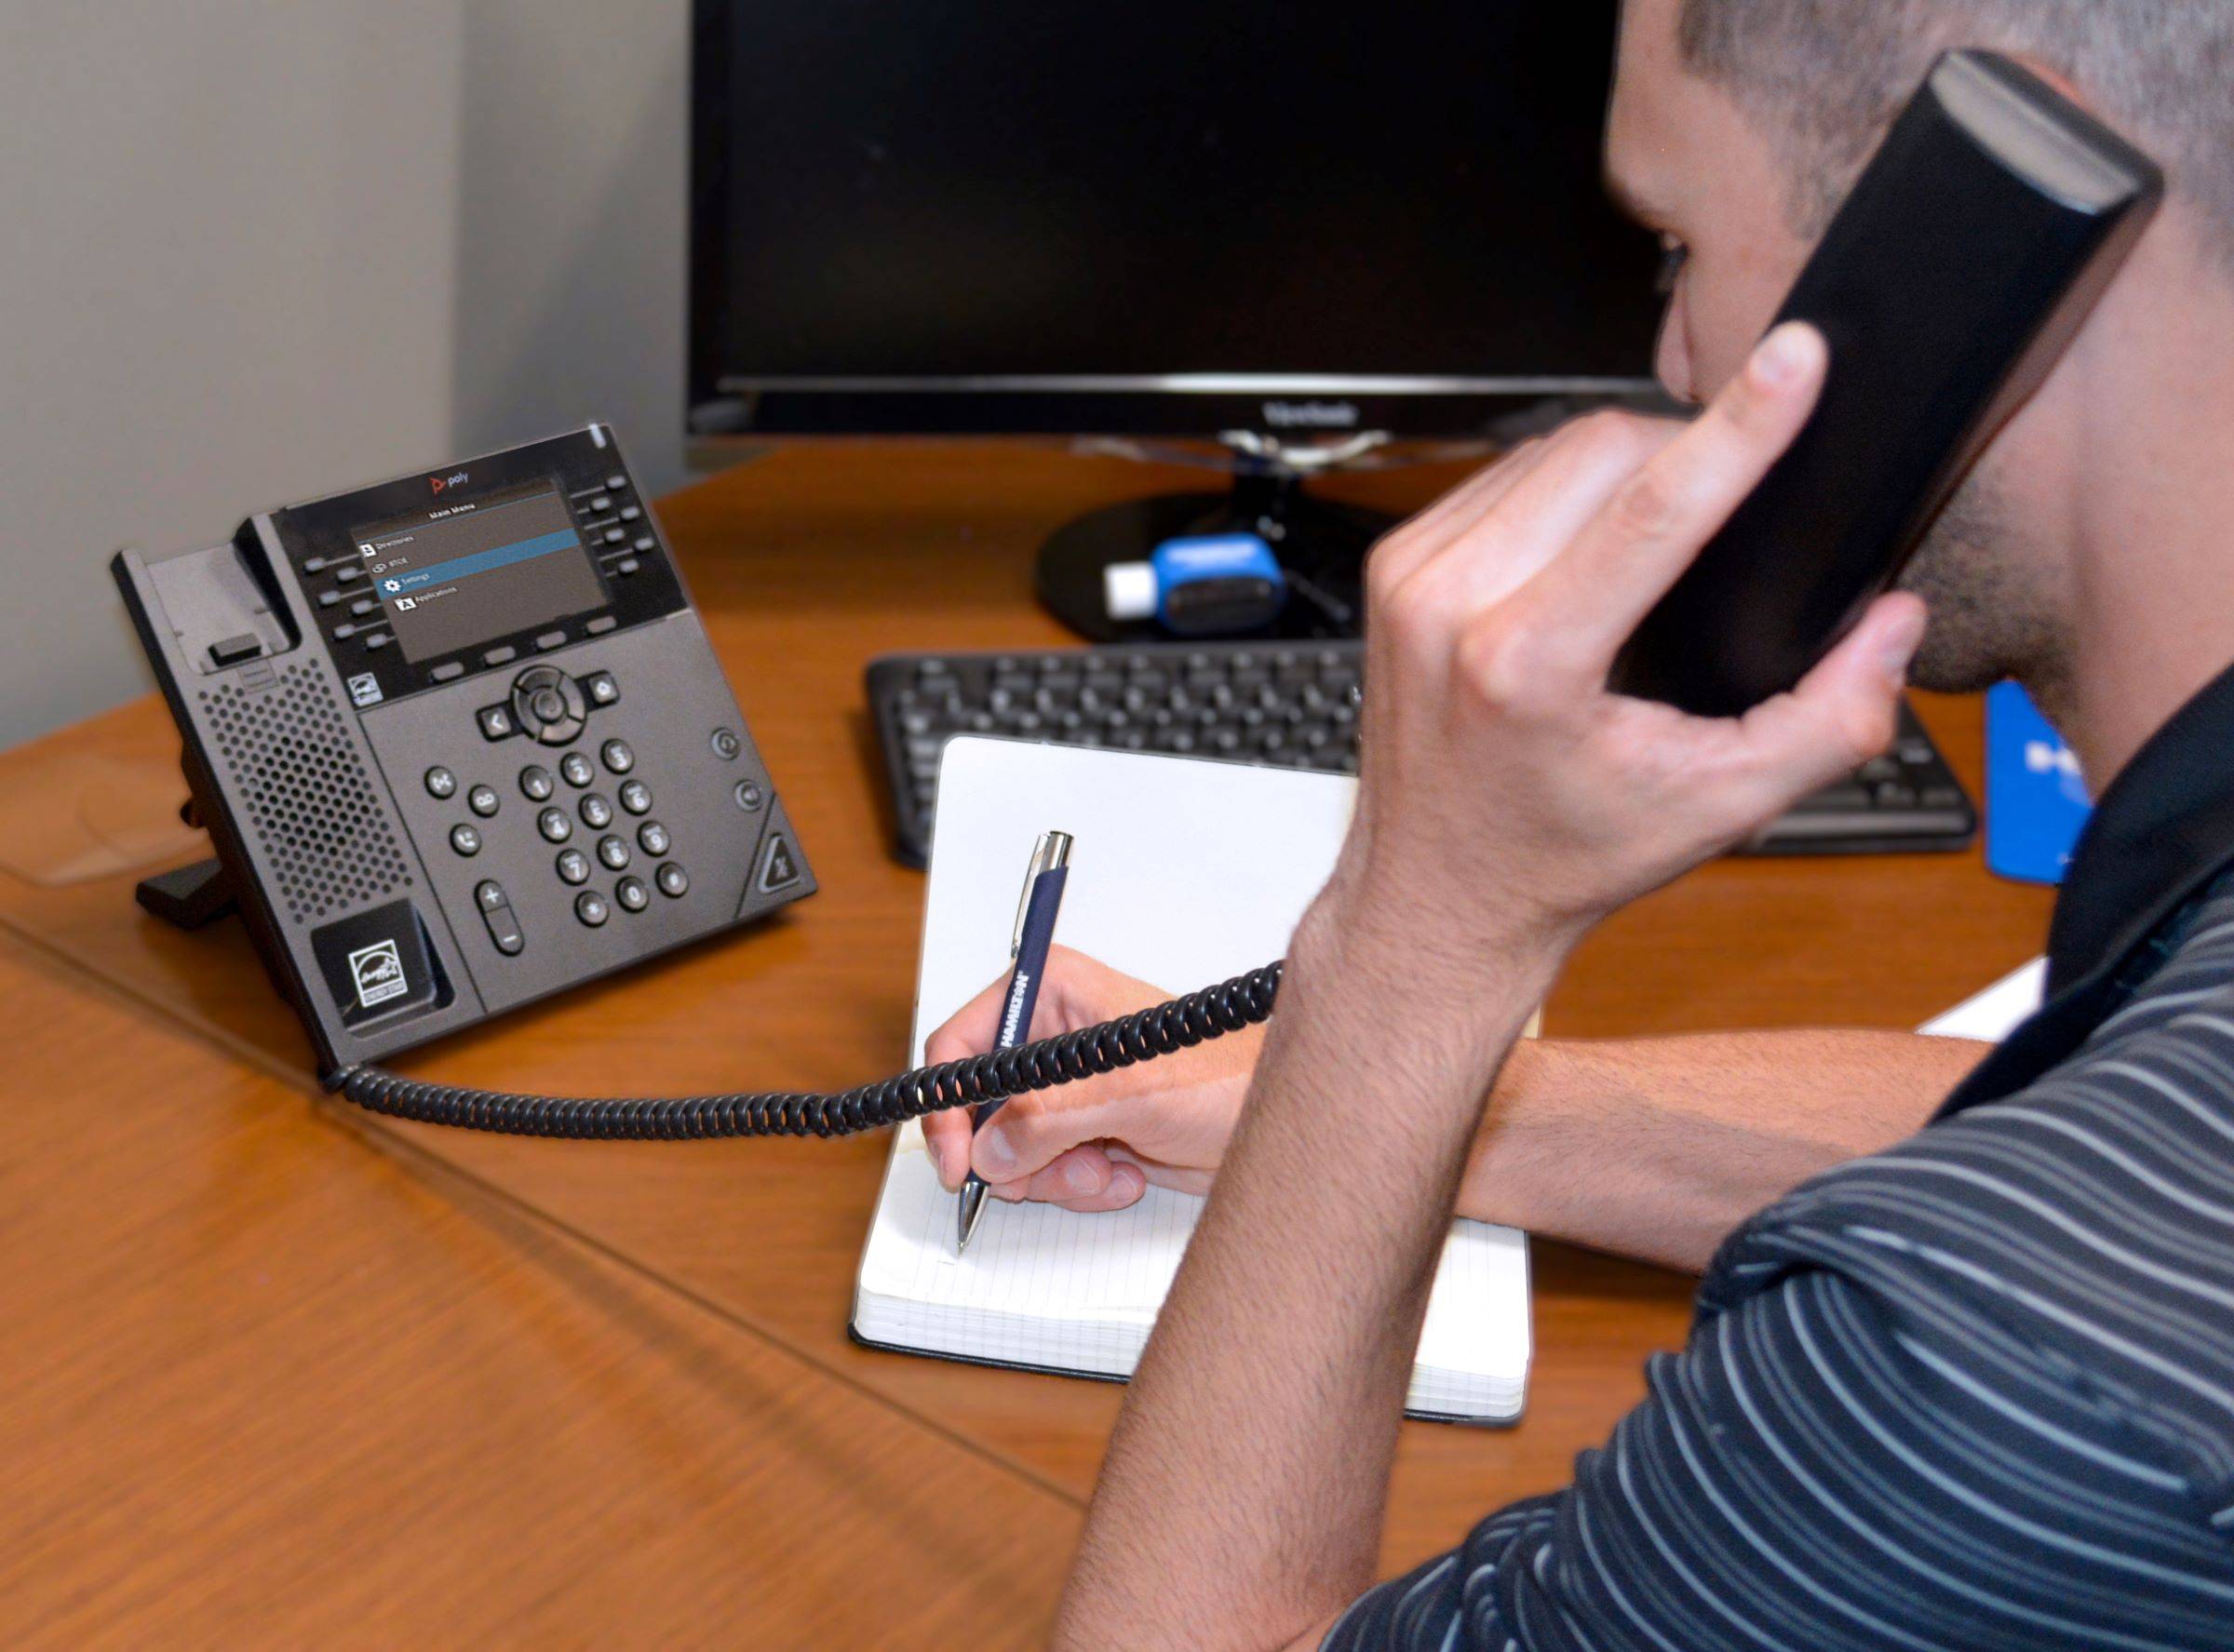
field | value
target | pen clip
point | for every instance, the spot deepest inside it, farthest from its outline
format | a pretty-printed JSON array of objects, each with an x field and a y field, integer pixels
[{"x": 1050, "y": 853}]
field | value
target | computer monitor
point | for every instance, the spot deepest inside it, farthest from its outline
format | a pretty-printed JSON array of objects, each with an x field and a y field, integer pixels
[{"x": 1280, "y": 224}]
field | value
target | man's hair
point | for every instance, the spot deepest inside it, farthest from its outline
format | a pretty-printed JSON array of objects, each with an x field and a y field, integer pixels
[{"x": 1822, "y": 78}]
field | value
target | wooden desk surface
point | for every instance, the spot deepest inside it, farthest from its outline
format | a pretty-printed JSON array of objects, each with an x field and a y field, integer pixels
[
  {"x": 806, "y": 564},
  {"x": 273, "y": 1385}
]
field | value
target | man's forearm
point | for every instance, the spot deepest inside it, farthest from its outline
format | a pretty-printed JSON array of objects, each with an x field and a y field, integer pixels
[
  {"x": 1242, "y": 1500},
  {"x": 1659, "y": 1148}
]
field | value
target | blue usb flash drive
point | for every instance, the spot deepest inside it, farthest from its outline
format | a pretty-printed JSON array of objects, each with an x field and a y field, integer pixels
[{"x": 1201, "y": 586}]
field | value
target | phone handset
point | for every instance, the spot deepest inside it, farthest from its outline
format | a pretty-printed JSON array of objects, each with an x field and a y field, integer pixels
[{"x": 1969, "y": 253}]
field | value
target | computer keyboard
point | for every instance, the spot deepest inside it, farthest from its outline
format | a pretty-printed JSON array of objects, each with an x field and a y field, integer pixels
[{"x": 1293, "y": 705}]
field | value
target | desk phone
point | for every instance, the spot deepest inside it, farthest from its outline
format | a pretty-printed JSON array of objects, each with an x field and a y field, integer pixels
[{"x": 460, "y": 743}]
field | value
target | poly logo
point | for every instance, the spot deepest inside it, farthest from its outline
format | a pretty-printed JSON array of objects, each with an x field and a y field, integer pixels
[
  {"x": 442, "y": 484},
  {"x": 378, "y": 971}
]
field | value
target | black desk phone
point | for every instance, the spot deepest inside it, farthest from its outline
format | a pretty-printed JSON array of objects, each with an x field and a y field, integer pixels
[
  {"x": 388, "y": 795},
  {"x": 459, "y": 742}
]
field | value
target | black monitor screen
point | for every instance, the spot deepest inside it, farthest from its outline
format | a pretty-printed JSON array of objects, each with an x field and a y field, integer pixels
[{"x": 1044, "y": 188}]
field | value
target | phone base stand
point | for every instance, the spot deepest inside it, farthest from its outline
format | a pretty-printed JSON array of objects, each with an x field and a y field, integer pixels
[{"x": 190, "y": 896}]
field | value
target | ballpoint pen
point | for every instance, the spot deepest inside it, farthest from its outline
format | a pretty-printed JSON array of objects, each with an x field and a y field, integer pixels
[{"x": 1028, "y": 944}]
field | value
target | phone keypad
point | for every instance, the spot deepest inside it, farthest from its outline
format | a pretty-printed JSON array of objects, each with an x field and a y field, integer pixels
[{"x": 553, "y": 699}]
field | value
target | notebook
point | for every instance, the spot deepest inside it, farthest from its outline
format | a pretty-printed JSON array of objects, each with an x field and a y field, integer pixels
[{"x": 1185, "y": 872}]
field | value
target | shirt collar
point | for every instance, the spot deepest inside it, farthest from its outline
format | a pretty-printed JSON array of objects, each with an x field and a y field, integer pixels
[
  {"x": 2159, "y": 833},
  {"x": 2155, "y": 843}
]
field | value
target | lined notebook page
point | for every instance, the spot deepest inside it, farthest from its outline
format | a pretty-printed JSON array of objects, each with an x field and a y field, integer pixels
[{"x": 1183, "y": 873}]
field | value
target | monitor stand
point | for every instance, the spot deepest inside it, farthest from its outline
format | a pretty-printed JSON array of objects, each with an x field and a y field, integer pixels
[{"x": 1320, "y": 543}]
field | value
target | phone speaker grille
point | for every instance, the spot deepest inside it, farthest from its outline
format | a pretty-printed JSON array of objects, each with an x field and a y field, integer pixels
[{"x": 311, "y": 809}]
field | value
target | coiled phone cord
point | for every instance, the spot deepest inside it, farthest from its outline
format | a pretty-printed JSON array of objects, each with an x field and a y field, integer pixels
[{"x": 1210, "y": 1013}]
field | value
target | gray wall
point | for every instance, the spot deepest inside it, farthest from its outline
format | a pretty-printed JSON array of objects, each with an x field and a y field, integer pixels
[{"x": 252, "y": 252}]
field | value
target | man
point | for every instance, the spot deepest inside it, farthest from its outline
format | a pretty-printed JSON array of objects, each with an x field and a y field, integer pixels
[{"x": 1975, "y": 1390}]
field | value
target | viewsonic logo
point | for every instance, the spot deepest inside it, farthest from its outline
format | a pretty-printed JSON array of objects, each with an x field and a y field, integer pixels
[
  {"x": 439, "y": 483},
  {"x": 1311, "y": 415}
]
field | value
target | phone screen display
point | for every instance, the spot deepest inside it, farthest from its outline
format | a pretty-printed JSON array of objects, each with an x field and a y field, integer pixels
[{"x": 466, "y": 569}]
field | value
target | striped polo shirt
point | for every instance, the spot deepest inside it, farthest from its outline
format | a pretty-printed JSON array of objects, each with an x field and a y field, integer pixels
[{"x": 1976, "y": 1392}]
